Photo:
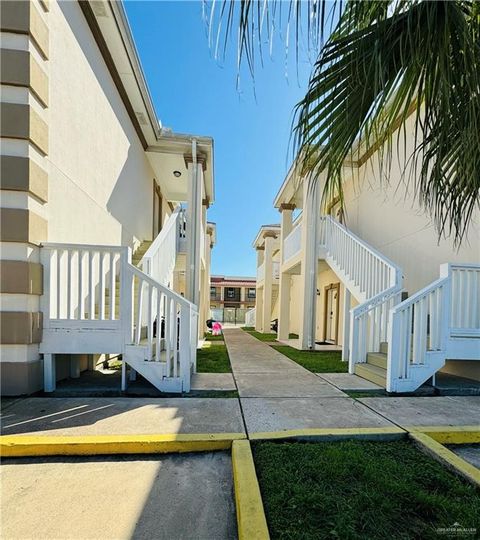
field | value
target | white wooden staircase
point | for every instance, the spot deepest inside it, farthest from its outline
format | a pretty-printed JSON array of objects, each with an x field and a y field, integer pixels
[
  {"x": 400, "y": 345},
  {"x": 96, "y": 301}
]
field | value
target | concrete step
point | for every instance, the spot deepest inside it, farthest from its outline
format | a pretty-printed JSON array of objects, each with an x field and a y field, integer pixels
[
  {"x": 372, "y": 373},
  {"x": 384, "y": 347},
  {"x": 377, "y": 359}
]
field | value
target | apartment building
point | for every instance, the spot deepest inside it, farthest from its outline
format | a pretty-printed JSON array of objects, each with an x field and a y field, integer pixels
[
  {"x": 231, "y": 297},
  {"x": 267, "y": 246},
  {"x": 373, "y": 280},
  {"x": 105, "y": 244}
]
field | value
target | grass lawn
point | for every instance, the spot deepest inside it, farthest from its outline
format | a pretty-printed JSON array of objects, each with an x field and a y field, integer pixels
[
  {"x": 266, "y": 336},
  {"x": 210, "y": 337},
  {"x": 360, "y": 490},
  {"x": 213, "y": 358},
  {"x": 261, "y": 336},
  {"x": 317, "y": 362}
]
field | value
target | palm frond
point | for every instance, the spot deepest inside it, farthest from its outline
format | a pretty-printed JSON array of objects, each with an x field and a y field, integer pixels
[
  {"x": 422, "y": 59},
  {"x": 382, "y": 62}
]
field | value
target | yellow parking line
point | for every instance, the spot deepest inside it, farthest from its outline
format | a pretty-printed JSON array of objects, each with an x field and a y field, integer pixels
[
  {"x": 38, "y": 445},
  {"x": 251, "y": 521},
  {"x": 447, "y": 457}
]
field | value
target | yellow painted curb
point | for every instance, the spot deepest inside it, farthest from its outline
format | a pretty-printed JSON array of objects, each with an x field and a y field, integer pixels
[
  {"x": 447, "y": 457},
  {"x": 27, "y": 445},
  {"x": 449, "y": 434},
  {"x": 251, "y": 521},
  {"x": 386, "y": 433}
]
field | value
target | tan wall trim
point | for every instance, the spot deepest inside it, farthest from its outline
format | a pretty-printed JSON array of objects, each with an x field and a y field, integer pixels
[
  {"x": 20, "y": 327},
  {"x": 22, "y": 17},
  {"x": 21, "y": 277},
  {"x": 21, "y": 377},
  {"x": 20, "y": 225},
  {"x": 19, "y": 121},
  {"x": 19, "y": 68},
  {"x": 23, "y": 174}
]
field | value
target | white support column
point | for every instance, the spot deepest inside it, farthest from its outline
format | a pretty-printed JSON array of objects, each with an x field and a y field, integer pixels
[
  {"x": 347, "y": 297},
  {"x": 285, "y": 279},
  {"x": 49, "y": 373},
  {"x": 268, "y": 282},
  {"x": 194, "y": 223},
  {"x": 259, "y": 294},
  {"x": 309, "y": 259}
]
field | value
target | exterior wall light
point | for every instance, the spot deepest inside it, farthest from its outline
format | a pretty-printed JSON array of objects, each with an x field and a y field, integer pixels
[{"x": 177, "y": 174}]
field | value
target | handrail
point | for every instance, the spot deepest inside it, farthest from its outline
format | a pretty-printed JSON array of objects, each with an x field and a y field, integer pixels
[
  {"x": 86, "y": 247},
  {"x": 148, "y": 279},
  {"x": 419, "y": 295},
  {"x": 162, "y": 235},
  {"x": 159, "y": 259},
  {"x": 373, "y": 276},
  {"x": 364, "y": 244}
]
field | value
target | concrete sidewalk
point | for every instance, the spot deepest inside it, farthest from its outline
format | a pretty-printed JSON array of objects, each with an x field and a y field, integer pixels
[
  {"x": 121, "y": 416},
  {"x": 177, "y": 496},
  {"x": 278, "y": 394}
]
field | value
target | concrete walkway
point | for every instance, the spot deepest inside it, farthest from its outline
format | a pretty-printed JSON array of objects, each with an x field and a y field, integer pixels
[
  {"x": 177, "y": 496},
  {"x": 121, "y": 416},
  {"x": 278, "y": 394}
]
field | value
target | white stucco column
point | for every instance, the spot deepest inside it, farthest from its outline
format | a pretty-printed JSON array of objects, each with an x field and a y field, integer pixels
[
  {"x": 194, "y": 223},
  {"x": 268, "y": 281},
  {"x": 346, "y": 324},
  {"x": 285, "y": 279},
  {"x": 309, "y": 259},
  {"x": 259, "y": 293}
]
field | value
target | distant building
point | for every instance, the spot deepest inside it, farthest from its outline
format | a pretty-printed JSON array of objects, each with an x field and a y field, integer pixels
[{"x": 231, "y": 297}]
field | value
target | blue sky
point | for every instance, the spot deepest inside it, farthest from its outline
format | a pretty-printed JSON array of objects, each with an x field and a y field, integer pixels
[{"x": 194, "y": 93}]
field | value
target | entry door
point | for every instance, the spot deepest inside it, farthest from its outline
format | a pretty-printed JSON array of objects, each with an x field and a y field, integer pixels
[
  {"x": 332, "y": 302},
  {"x": 157, "y": 209}
]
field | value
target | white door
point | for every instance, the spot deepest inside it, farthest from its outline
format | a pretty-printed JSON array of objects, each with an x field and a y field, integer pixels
[{"x": 331, "y": 313}]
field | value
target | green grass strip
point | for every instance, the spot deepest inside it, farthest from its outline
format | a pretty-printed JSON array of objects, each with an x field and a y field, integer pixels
[
  {"x": 213, "y": 359},
  {"x": 316, "y": 361},
  {"x": 360, "y": 490}
]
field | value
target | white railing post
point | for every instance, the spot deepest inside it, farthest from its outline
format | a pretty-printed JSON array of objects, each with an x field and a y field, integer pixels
[
  {"x": 354, "y": 337},
  {"x": 185, "y": 346},
  {"x": 126, "y": 295}
]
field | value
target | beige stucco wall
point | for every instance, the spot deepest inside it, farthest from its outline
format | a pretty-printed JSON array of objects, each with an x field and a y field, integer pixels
[
  {"x": 101, "y": 184},
  {"x": 389, "y": 218}
]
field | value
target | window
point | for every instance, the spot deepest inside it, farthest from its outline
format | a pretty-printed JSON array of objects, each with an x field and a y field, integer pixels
[
  {"x": 213, "y": 292},
  {"x": 230, "y": 292},
  {"x": 251, "y": 292}
]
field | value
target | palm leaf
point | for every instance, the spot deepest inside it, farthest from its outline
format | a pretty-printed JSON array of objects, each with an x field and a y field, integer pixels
[{"x": 383, "y": 62}]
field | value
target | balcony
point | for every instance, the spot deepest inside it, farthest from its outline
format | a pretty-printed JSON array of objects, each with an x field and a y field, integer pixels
[
  {"x": 293, "y": 242},
  {"x": 275, "y": 271}
]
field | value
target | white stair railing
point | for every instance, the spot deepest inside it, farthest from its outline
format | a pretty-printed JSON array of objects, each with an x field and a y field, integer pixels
[
  {"x": 159, "y": 259},
  {"x": 81, "y": 300},
  {"x": 374, "y": 280},
  {"x": 95, "y": 301},
  {"x": 440, "y": 321},
  {"x": 164, "y": 326}
]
